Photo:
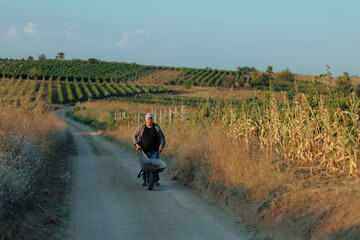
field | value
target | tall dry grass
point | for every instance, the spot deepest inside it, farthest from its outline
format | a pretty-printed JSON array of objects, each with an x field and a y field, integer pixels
[
  {"x": 29, "y": 138},
  {"x": 209, "y": 154}
]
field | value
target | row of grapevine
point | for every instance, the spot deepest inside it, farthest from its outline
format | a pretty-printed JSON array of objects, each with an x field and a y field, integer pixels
[
  {"x": 50, "y": 90},
  {"x": 102, "y": 89},
  {"x": 94, "y": 89},
  {"x": 70, "y": 96},
  {"x": 119, "y": 89},
  {"x": 110, "y": 89},
  {"x": 79, "y": 94},
  {"x": 86, "y": 89},
  {"x": 59, "y": 91},
  {"x": 40, "y": 93}
]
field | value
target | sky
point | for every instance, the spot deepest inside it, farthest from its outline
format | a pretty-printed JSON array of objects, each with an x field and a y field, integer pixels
[{"x": 301, "y": 35}]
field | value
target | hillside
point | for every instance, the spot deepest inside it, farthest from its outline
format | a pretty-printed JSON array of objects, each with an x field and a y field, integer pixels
[
  {"x": 120, "y": 71},
  {"x": 67, "y": 81}
]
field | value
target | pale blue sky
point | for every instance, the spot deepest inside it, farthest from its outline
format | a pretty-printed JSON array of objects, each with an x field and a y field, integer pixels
[{"x": 302, "y": 35}]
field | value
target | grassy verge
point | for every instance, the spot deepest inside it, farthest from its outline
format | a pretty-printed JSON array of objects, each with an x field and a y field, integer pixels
[
  {"x": 284, "y": 199},
  {"x": 35, "y": 165}
]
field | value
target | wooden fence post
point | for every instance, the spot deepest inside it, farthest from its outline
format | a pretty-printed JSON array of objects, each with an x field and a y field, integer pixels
[
  {"x": 170, "y": 115},
  {"x": 182, "y": 112},
  {"x": 160, "y": 116}
]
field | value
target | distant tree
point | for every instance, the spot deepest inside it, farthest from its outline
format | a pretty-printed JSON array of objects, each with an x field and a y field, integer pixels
[
  {"x": 286, "y": 76},
  {"x": 60, "y": 55},
  {"x": 260, "y": 79},
  {"x": 343, "y": 83},
  {"x": 245, "y": 70},
  {"x": 30, "y": 58},
  {"x": 92, "y": 60},
  {"x": 269, "y": 69},
  {"x": 42, "y": 57},
  {"x": 265, "y": 79},
  {"x": 241, "y": 81}
]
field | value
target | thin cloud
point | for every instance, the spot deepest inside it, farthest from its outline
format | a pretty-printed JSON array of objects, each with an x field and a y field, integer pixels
[
  {"x": 142, "y": 31},
  {"x": 72, "y": 26},
  {"x": 12, "y": 33},
  {"x": 68, "y": 33},
  {"x": 133, "y": 35},
  {"x": 91, "y": 43},
  {"x": 124, "y": 40},
  {"x": 29, "y": 28},
  {"x": 169, "y": 45}
]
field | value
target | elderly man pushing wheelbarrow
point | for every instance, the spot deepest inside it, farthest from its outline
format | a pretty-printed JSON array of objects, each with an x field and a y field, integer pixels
[{"x": 149, "y": 137}]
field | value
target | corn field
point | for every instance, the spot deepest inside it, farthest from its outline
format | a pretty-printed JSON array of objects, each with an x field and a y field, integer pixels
[{"x": 325, "y": 138}]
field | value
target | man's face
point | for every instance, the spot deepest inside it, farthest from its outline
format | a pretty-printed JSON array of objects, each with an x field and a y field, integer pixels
[{"x": 149, "y": 121}]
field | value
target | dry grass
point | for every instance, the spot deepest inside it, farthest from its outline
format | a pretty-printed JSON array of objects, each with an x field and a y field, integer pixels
[
  {"x": 224, "y": 158},
  {"x": 225, "y": 93},
  {"x": 28, "y": 137}
]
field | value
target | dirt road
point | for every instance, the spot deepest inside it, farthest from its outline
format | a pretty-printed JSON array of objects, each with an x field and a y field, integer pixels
[{"x": 108, "y": 201}]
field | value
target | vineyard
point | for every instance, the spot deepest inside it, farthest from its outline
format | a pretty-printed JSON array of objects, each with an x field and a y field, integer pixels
[
  {"x": 69, "y": 90},
  {"x": 139, "y": 75},
  {"x": 119, "y": 72},
  {"x": 73, "y": 69},
  {"x": 123, "y": 72}
]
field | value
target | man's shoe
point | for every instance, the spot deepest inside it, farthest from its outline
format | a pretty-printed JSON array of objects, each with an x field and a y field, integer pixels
[
  {"x": 144, "y": 185},
  {"x": 157, "y": 184}
]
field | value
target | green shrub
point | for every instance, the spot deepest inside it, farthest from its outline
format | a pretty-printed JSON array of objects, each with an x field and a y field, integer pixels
[
  {"x": 343, "y": 83},
  {"x": 286, "y": 76}
]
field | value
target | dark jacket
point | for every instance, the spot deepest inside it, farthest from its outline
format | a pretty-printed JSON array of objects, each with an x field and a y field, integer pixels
[{"x": 140, "y": 130}]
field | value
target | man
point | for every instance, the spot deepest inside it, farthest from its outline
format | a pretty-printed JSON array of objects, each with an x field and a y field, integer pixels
[{"x": 149, "y": 137}]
